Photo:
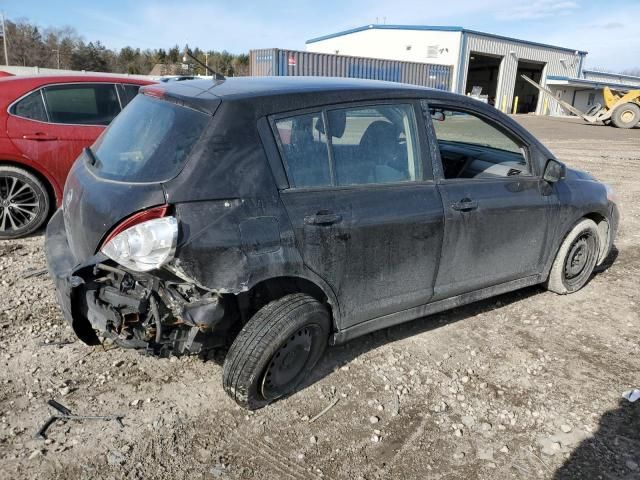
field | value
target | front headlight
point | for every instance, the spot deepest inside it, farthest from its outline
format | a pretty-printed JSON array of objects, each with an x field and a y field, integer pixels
[{"x": 145, "y": 246}]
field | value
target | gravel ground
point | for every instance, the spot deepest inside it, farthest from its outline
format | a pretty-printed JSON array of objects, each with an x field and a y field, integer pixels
[{"x": 525, "y": 385}]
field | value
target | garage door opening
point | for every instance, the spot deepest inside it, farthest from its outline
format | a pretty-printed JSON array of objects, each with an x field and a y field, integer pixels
[
  {"x": 483, "y": 72},
  {"x": 526, "y": 93}
]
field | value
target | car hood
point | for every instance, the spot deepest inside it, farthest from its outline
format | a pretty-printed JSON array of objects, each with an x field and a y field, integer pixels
[
  {"x": 573, "y": 174},
  {"x": 93, "y": 206}
]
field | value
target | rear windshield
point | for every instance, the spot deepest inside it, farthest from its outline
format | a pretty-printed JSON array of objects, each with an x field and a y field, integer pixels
[{"x": 148, "y": 142}]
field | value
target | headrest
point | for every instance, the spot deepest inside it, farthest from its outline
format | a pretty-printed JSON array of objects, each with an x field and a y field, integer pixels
[{"x": 337, "y": 122}]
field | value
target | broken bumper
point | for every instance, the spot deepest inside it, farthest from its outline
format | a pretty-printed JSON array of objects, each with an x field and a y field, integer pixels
[
  {"x": 61, "y": 265},
  {"x": 161, "y": 313}
]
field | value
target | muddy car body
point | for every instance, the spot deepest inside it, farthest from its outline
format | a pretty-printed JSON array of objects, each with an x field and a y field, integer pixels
[{"x": 305, "y": 211}]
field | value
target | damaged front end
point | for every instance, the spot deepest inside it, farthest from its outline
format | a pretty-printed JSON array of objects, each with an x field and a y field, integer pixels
[{"x": 158, "y": 312}]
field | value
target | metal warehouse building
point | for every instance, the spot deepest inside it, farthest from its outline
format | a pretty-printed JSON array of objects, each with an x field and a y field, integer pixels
[{"x": 493, "y": 62}]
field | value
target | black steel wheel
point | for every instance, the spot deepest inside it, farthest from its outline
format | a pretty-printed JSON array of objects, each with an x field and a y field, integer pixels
[
  {"x": 576, "y": 259},
  {"x": 579, "y": 257},
  {"x": 24, "y": 203},
  {"x": 276, "y": 350},
  {"x": 287, "y": 363}
]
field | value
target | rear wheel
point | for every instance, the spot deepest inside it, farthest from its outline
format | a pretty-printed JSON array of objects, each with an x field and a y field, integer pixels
[
  {"x": 576, "y": 259},
  {"x": 626, "y": 115},
  {"x": 276, "y": 350},
  {"x": 24, "y": 202}
]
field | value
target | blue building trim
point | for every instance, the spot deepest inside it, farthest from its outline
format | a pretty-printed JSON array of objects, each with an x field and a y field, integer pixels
[
  {"x": 438, "y": 28},
  {"x": 385, "y": 27}
]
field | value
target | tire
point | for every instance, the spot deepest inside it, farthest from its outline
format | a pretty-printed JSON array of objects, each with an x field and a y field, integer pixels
[
  {"x": 626, "y": 115},
  {"x": 276, "y": 350},
  {"x": 576, "y": 259},
  {"x": 24, "y": 203}
]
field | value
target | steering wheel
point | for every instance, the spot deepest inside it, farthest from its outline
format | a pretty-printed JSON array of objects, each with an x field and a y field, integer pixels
[{"x": 465, "y": 165}]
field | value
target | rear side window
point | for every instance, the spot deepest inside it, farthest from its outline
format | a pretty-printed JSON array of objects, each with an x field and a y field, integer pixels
[
  {"x": 95, "y": 104},
  {"x": 305, "y": 150},
  {"x": 31, "y": 107},
  {"x": 127, "y": 93},
  {"x": 148, "y": 142},
  {"x": 375, "y": 144}
]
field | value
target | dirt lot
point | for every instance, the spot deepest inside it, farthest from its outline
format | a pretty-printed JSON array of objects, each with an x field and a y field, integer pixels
[{"x": 526, "y": 385}]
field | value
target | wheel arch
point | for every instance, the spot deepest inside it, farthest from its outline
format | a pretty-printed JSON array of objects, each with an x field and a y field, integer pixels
[
  {"x": 604, "y": 233},
  {"x": 274, "y": 288},
  {"x": 53, "y": 190}
]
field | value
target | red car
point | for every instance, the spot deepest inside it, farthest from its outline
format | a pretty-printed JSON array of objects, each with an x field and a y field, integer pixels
[{"x": 45, "y": 122}]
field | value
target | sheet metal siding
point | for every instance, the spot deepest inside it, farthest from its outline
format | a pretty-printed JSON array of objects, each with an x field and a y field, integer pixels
[
  {"x": 296, "y": 63},
  {"x": 507, "y": 76},
  {"x": 611, "y": 78}
]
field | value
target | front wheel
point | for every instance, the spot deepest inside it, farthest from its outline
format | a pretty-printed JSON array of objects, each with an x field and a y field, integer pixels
[
  {"x": 575, "y": 259},
  {"x": 276, "y": 350},
  {"x": 626, "y": 115},
  {"x": 24, "y": 203}
]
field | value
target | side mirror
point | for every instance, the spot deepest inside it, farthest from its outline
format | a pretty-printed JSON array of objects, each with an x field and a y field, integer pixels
[
  {"x": 437, "y": 115},
  {"x": 554, "y": 171}
]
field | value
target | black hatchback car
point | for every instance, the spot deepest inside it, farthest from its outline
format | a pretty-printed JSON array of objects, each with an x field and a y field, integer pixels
[{"x": 278, "y": 215}]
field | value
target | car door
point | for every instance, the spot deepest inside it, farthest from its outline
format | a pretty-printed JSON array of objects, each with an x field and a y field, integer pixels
[
  {"x": 496, "y": 207},
  {"x": 366, "y": 213},
  {"x": 75, "y": 115}
]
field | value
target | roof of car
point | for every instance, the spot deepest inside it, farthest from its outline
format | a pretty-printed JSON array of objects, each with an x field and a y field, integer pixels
[
  {"x": 247, "y": 87},
  {"x": 285, "y": 93}
]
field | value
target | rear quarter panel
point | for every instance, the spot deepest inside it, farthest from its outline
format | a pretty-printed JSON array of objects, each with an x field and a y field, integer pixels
[{"x": 235, "y": 230}]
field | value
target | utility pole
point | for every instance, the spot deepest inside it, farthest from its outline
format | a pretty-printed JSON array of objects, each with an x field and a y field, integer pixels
[{"x": 4, "y": 40}]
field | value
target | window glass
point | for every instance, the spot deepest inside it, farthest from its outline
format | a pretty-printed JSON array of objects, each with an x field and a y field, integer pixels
[
  {"x": 127, "y": 93},
  {"x": 305, "y": 150},
  {"x": 470, "y": 147},
  {"x": 95, "y": 104},
  {"x": 376, "y": 144},
  {"x": 31, "y": 107},
  {"x": 148, "y": 142}
]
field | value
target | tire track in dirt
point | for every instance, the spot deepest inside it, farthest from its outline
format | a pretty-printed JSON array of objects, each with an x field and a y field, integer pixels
[{"x": 260, "y": 449}]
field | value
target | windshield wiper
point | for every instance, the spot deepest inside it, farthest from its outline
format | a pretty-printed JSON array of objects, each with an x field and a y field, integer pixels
[{"x": 90, "y": 155}]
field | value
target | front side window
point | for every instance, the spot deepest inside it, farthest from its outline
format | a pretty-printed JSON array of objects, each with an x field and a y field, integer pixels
[
  {"x": 95, "y": 104},
  {"x": 365, "y": 145},
  {"x": 31, "y": 107},
  {"x": 471, "y": 147}
]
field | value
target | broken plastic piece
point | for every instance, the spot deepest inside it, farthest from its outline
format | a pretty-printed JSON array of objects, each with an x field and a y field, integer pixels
[{"x": 632, "y": 395}]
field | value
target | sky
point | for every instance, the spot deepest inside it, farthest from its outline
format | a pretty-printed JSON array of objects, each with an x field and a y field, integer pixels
[{"x": 607, "y": 29}]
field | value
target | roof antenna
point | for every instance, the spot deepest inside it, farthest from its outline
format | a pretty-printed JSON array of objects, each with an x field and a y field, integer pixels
[{"x": 187, "y": 54}]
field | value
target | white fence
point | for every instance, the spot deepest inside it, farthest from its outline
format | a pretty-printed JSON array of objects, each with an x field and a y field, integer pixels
[{"x": 52, "y": 71}]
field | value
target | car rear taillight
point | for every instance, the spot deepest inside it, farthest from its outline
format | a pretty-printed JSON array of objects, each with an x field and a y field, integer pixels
[{"x": 144, "y": 241}]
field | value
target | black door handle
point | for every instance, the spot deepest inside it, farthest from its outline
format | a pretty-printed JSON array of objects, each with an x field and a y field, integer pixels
[
  {"x": 323, "y": 218},
  {"x": 465, "y": 205}
]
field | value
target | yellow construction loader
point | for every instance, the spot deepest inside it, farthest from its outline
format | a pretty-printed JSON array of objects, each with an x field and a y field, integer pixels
[{"x": 621, "y": 108}]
